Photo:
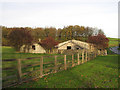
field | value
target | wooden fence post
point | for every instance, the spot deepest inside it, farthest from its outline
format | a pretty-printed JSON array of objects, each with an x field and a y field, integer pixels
[
  {"x": 105, "y": 52},
  {"x": 19, "y": 70},
  {"x": 83, "y": 56},
  {"x": 78, "y": 58},
  {"x": 102, "y": 52},
  {"x": 65, "y": 67},
  {"x": 72, "y": 60},
  {"x": 41, "y": 67},
  {"x": 86, "y": 56},
  {"x": 95, "y": 53},
  {"x": 55, "y": 64},
  {"x": 92, "y": 55}
]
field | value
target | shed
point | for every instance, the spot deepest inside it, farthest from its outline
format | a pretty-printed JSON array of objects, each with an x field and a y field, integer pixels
[
  {"x": 74, "y": 45},
  {"x": 34, "y": 48}
]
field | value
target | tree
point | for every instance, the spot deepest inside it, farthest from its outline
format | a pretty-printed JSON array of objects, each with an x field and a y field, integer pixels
[
  {"x": 59, "y": 34},
  {"x": 38, "y": 33},
  {"x": 48, "y": 43},
  {"x": 75, "y": 32},
  {"x": 100, "y": 31},
  {"x": 5, "y": 31},
  {"x": 4, "y": 42},
  {"x": 50, "y": 32},
  {"x": 101, "y": 41},
  {"x": 19, "y": 37}
]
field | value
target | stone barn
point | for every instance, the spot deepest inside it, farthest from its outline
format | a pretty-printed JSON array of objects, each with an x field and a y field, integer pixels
[
  {"x": 74, "y": 45},
  {"x": 34, "y": 48}
]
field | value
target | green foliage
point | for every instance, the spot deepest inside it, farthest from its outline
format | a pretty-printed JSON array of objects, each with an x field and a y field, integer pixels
[
  {"x": 75, "y": 32},
  {"x": 38, "y": 33}
]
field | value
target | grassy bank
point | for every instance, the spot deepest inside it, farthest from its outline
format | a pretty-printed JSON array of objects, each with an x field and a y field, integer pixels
[
  {"x": 101, "y": 72},
  {"x": 10, "y": 53},
  {"x": 113, "y": 42}
]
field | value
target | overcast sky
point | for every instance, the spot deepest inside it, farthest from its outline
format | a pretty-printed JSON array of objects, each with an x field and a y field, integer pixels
[{"x": 102, "y": 14}]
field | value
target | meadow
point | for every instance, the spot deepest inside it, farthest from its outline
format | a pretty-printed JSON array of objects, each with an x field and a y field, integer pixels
[
  {"x": 101, "y": 72},
  {"x": 113, "y": 42}
]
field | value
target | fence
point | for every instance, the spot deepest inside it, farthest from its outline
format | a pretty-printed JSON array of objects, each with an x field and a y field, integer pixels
[{"x": 42, "y": 66}]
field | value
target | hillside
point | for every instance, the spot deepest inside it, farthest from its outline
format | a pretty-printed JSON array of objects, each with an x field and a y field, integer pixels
[{"x": 113, "y": 42}]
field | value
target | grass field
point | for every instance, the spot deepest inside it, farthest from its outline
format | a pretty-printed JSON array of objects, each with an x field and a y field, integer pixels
[
  {"x": 102, "y": 72},
  {"x": 10, "y": 53},
  {"x": 113, "y": 42}
]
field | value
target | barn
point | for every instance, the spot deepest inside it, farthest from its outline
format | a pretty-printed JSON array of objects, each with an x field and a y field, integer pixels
[
  {"x": 74, "y": 45},
  {"x": 34, "y": 48}
]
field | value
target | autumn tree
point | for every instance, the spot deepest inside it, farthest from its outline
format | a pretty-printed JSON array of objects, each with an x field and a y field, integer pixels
[
  {"x": 101, "y": 41},
  {"x": 62, "y": 34},
  {"x": 50, "y": 32},
  {"x": 59, "y": 34},
  {"x": 5, "y": 31},
  {"x": 48, "y": 43},
  {"x": 75, "y": 32},
  {"x": 38, "y": 33},
  {"x": 20, "y": 36}
]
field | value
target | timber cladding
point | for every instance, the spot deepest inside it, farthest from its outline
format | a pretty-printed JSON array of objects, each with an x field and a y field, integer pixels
[{"x": 44, "y": 65}]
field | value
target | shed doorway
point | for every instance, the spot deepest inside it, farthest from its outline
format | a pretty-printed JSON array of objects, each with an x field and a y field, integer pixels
[
  {"x": 68, "y": 47},
  {"x": 33, "y": 47}
]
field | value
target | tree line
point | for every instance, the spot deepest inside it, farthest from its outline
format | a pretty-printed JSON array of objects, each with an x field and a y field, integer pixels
[{"x": 27, "y": 35}]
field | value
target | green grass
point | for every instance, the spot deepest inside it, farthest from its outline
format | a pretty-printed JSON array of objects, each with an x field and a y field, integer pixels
[
  {"x": 113, "y": 42},
  {"x": 101, "y": 72},
  {"x": 115, "y": 39},
  {"x": 10, "y": 53}
]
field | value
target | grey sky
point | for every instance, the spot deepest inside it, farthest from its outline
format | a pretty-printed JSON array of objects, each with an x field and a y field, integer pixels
[{"x": 102, "y": 14}]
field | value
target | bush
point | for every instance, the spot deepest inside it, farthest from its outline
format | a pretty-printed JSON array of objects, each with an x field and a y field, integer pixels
[{"x": 101, "y": 41}]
